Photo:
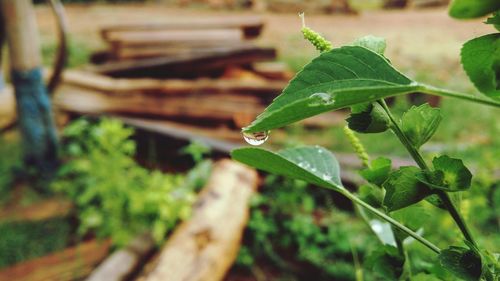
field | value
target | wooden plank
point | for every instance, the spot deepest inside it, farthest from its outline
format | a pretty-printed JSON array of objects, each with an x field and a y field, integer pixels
[
  {"x": 50, "y": 208},
  {"x": 214, "y": 107},
  {"x": 186, "y": 65},
  {"x": 215, "y": 37},
  {"x": 70, "y": 264},
  {"x": 205, "y": 246},
  {"x": 7, "y": 107},
  {"x": 121, "y": 264},
  {"x": 122, "y": 86},
  {"x": 250, "y": 25}
]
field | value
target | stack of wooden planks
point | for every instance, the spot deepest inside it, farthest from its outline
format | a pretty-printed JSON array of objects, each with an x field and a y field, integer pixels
[{"x": 181, "y": 49}]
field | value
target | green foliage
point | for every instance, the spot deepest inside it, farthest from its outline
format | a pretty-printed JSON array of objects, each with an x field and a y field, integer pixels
[
  {"x": 336, "y": 79},
  {"x": 78, "y": 53},
  {"x": 420, "y": 123},
  {"x": 481, "y": 62},
  {"x": 495, "y": 20},
  {"x": 378, "y": 172},
  {"x": 20, "y": 241},
  {"x": 312, "y": 164},
  {"x": 115, "y": 196},
  {"x": 387, "y": 262},
  {"x": 463, "y": 9},
  {"x": 298, "y": 230},
  {"x": 449, "y": 174},
  {"x": 463, "y": 262},
  {"x": 368, "y": 118},
  {"x": 404, "y": 189}
]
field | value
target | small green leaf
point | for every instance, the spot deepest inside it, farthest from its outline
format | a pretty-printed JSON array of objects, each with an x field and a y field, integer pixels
[
  {"x": 378, "y": 172},
  {"x": 450, "y": 174},
  {"x": 313, "y": 164},
  {"x": 371, "y": 118},
  {"x": 464, "y": 9},
  {"x": 386, "y": 262},
  {"x": 371, "y": 194},
  {"x": 374, "y": 43},
  {"x": 495, "y": 20},
  {"x": 462, "y": 262},
  {"x": 420, "y": 123},
  {"x": 404, "y": 189},
  {"x": 481, "y": 61},
  {"x": 335, "y": 79},
  {"x": 414, "y": 217}
]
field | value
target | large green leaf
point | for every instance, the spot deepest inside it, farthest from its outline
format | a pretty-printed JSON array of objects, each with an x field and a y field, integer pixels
[
  {"x": 420, "y": 123},
  {"x": 464, "y": 9},
  {"x": 481, "y": 62},
  {"x": 336, "y": 79},
  {"x": 464, "y": 263},
  {"x": 313, "y": 164},
  {"x": 404, "y": 189}
]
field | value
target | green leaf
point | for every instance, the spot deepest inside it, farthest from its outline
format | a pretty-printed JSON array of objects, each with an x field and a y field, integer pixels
[
  {"x": 386, "y": 262},
  {"x": 378, "y": 172},
  {"x": 464, "y": 9},
  {"x": 404, "y": 189},
  {"x": 313, "y": 164},
  {"x": 462, "y": 262},
  {"x": 495, "y": 20},
  {"x": 374, "y": 43},
  {"x": 371, "y": 118},
  {"x": 371, "y": 194},
  {"x": 450, "y": 174},
  {"x": 481, "y": 61},
  {"x": 335, "y": 79},
  {"x": 420, "y": 123},
  {"x": 414, "y": 217}
]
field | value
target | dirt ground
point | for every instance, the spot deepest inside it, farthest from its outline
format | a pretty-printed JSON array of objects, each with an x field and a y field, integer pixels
[{"x": 427, "y": 37}]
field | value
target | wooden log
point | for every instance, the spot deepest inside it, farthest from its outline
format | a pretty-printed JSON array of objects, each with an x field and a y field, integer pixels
[
  {"x": 123, "y": 263},
  {"x": 71, "y": 264},
  {"x": 194, "y": 65},
  {"x": 250, "y": 25},
  {"x": 205, "y": 246}
]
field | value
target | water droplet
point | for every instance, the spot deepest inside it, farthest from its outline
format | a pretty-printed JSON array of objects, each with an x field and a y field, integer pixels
[
  {"x": 326, "y": 177},
  {"x": 256, "y": 138},
  {"x": 318, "y": 99}
]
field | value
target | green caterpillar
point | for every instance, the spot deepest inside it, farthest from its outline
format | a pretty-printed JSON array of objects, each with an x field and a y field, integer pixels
[{"x": 315, "y": 38}]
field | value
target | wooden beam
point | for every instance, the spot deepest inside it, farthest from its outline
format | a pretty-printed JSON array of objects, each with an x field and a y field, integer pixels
[
  {"x": 250, "y": 25},
  {"x": 205, "y": 246},
  {"x": 22, "y": 36},
  {"x": 189, "y": 65},
  {"x": 124, "y": 262},
  {"x": 71, "y": 264},
  {"x": 47, "y": 209}
]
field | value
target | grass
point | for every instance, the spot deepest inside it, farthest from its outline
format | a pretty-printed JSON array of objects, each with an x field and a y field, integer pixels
[{"x": 78, "y": 53}]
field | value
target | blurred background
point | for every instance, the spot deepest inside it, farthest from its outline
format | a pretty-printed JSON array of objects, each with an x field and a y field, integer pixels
[{"x": 152, "y": 99}]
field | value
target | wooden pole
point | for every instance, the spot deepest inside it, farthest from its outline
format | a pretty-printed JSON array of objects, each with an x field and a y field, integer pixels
[{"x": 33, "y": 105}]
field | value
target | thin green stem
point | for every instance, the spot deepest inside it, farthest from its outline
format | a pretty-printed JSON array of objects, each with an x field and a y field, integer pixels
[
  {"x": 431, "y": 90},
  {"x": 392, "y": 221},
  {"x": 445, "y": 198}
]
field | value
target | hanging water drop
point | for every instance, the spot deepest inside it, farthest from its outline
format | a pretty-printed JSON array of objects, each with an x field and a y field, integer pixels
[{"x": 256, "y": 138}]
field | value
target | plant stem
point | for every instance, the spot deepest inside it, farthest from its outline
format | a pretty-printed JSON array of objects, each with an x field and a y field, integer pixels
[
  {"x": 431, "y": 90},
  {"x": 392, "y": 221},
  {"x": 445, "y": 198}
]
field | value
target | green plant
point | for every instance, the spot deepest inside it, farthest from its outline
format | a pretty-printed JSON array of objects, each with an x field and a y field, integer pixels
[
  {"x": 115, "y": 196},
  {"x": 360, "y": 77}
]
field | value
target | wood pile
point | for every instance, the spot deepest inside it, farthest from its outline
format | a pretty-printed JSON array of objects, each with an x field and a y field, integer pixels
[{"x": 202, "y": 73}]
